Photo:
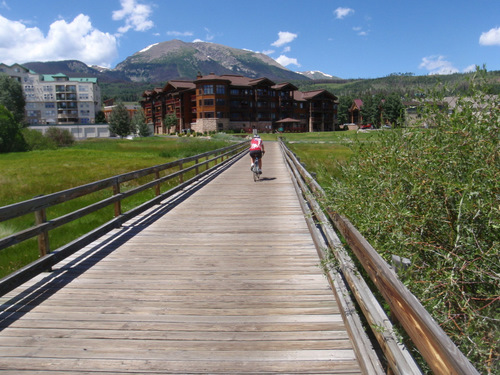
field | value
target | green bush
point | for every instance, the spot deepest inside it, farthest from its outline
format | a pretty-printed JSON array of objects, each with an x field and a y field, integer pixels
[
  {"x": 61, "y": 137},
  {"x": 432, "y": 195},
  {"x": 37, "y": 141}
]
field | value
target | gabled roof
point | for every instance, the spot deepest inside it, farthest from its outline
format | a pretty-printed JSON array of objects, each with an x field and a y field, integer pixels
[
  {"x": 20, "y": 66},
  {"x": 285, "y": 85},
  {"x": 358, "y": 103},
  {"x": 235, "y": 80},
  {"x": 175, "y": 85},
  {"x": 258, "y": 81},
  {"x": 309, "y": 95}
]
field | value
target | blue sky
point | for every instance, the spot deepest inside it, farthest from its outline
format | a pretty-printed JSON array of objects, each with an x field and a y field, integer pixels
[{"x": 348, "y": 39}]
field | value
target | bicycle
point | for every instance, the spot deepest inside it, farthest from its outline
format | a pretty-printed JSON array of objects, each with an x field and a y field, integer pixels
[{"x": 255, "y": 170}]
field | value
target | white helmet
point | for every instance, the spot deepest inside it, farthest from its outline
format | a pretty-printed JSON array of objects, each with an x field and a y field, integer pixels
[{"x": 256, "y": 136}]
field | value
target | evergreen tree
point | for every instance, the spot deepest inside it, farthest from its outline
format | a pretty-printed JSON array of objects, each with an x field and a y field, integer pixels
[
  {"x": 119, "y": 121},
  {"x": 345, "y": 103},
  {"x": 139, "y": 123},
  {"x": 394, "y": 110}
]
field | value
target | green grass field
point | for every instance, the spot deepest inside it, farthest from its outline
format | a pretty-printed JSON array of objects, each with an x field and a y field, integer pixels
[{"x": 29, "y": 174}]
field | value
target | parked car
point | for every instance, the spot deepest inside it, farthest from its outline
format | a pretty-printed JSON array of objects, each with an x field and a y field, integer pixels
[
  {"x": 365, "y": 127},
  {"x": 386, "y": 126}
]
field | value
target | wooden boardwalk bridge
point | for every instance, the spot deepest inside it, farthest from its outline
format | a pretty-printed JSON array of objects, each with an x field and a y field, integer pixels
[
  {"x": 227, "y": 281},
  {"x": 216, "y": 275}
]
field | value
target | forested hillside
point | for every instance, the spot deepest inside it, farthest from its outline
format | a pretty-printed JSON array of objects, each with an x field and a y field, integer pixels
[{"x": 404, "y": 84}]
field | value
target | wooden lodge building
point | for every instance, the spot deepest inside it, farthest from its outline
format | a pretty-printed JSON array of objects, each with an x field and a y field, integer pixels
[{"x": 233, "y": 102}]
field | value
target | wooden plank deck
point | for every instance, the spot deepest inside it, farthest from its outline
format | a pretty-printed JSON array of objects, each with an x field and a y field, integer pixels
[{"x": 226, "y": 281}]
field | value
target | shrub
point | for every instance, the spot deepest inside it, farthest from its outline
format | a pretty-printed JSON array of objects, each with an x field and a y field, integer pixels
[
  {"x": 35, "y": 140},
  {"x": 61, "y": 137},
  {"x": 11, "y": 139},
  {"x": 432, "y": 195}
]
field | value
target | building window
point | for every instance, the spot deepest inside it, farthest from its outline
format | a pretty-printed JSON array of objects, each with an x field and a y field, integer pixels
[
  {"x": 235, "y": 92},
  {"x": 220, "y": 89},
  {"x": 208, "y": 115},
  {"x": 220, "y": 114},
  {"x": 50, "y": 105},
  {"x": 208, "y": 102},
  {"x": 221, "y": 102},
  {"x": 208, "y": 89}
]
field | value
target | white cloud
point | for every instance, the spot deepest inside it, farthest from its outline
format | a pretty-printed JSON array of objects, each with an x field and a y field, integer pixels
[
  {"x": 136, "y": 16},
  {"x": 360, "y": 31},
  {"x": 490, "y": 38},
  {"x": 342, "y": 12},
  {"x": 179, "y": 33},
  {"x": 285, "y": 61},
  {"x": 470, "y": 68},
  {"x": 65, "y": 41},
  {"x": 284, "y": 37},
  {"x": 268, "y": 51},
  {"x": 437, "y": 65}
]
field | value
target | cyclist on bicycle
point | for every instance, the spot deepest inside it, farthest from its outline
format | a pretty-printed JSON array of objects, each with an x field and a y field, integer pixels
[{"x": 257, "y": 150}]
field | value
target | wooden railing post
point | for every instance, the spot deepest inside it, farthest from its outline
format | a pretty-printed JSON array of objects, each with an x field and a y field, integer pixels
[
  {"x": 157, "y": 187},
  {"x": 181, "y": 176},
  {"x": 43, "y": 238},
  {"x": 118, "y": 204},
  {"x": 207, "y": 164},
  {"x": 197, "y": 169}
]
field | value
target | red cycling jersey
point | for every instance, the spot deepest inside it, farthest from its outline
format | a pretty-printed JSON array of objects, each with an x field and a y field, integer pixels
[{"x": 256, "y": 144}]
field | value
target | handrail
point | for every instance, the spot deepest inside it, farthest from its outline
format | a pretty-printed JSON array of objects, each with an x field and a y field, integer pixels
[
  {"x": 437, "y": 349},
  {"x": 38, "y": 206}
]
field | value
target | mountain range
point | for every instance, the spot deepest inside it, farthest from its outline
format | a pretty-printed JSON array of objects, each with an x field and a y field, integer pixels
[{"x": 175, "y": 59}]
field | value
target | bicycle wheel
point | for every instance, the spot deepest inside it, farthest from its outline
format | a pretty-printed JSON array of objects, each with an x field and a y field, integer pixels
[
  {"x": 256, "y": 176},
  {"x": 255, "y": 171}
]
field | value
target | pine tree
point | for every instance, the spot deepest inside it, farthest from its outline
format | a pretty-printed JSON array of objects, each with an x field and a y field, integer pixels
[{"x": 119, "y": 121}]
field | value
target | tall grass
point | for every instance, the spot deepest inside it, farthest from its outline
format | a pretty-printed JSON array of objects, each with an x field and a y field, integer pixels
[
  {"x": 432, "y": 195},
  {"x": 29, "y": 174}
]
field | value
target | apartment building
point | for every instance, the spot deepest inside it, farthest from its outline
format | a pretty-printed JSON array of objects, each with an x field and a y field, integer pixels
[
  {"x": 56, "y": 99},
  {"x": 234, "y": 102}
]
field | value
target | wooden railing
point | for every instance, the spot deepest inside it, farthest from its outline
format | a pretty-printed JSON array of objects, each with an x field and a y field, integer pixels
[
  {"x": 437, "y": 349},
  {"x": 42, "y": 227}
]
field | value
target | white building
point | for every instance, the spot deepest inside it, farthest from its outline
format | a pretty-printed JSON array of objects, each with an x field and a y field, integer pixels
[{"x": 56, "y": 99}]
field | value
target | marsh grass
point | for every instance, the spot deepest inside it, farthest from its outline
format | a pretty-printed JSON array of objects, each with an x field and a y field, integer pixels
[{"x": 27, "y": 175}]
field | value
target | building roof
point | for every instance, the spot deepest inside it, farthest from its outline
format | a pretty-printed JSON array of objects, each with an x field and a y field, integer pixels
[
  {"x": 282, "y": 85},
  {"x": 180, "y": 85},
  {"x": 54, "y": 77},
  {"x": 308, "y": 95},
  {"x": 26, "y": 70},
  {"x": 287, "y": 120}
]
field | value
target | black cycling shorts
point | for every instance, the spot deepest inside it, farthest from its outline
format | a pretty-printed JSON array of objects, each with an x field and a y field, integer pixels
[{"x": 256, "y": 154}]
